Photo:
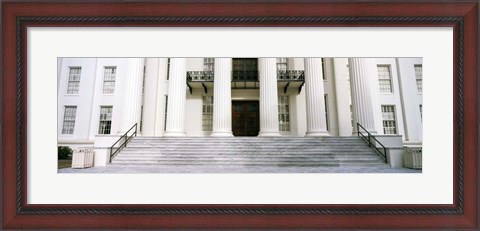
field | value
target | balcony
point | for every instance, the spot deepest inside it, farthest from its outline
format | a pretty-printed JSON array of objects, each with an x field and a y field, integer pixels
[
  {"x": 200, "y": 76},
  {"x": 246, "y": 79},
  {"x": 291, "y": 79},
  {"x": 200, "y": 79},
  {"x": 290, "y": 75}
]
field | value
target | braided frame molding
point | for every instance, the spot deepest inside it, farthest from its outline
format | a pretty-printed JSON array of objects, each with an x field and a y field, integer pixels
[{"x": 22, "y": 209}]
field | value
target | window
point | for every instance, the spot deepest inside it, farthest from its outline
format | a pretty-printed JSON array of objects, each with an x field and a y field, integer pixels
[
  {"x": 109, "y": 80},
  {"x": 325, "y": 97},
  {"x": 74, "y": 80},
  {"x": 384, "y": 79},
  {"x": 389, "y": 122},
  {"x": 69, "y": 119},
  {"x": 281, "y": 64},
  {"x": 105, "y": 120},
  {"x": 421, "y": 112},
  {"x": 208, "y": 64},
  {"x": 419, "y": 77},
  {"x": 207, "y": 119},
  {"x": 283, "y": 113}
]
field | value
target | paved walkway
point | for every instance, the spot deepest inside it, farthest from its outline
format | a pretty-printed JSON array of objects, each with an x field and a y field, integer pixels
[{"x": 234, "y": 169}]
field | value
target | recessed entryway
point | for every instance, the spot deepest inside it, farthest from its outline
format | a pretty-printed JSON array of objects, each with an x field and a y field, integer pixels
[{"x": 245, "y": 118}]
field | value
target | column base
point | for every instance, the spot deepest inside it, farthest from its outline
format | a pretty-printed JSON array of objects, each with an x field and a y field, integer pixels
[
  {"x": 269, "y": 134},
  {"x": 317, "y": 134},
  {"x": 221, "y": 134},
  {"x": 174, "y": 134}
]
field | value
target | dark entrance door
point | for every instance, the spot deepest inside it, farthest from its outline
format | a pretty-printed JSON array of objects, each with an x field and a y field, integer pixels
[{"x": 245, "y": 118}]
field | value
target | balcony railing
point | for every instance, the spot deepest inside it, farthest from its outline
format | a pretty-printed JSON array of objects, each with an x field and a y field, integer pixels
[
  {"x": 245, "y": 76},
  {"x": 290, "y": 75},
  {"x": 200, "y": 76}
]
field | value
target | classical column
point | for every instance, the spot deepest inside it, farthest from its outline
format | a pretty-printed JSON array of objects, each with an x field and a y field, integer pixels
[
  {"x": 364, "y": 105},
  {"x": 268, "y": 97},
  {"x": 222, "y": 98},
  {"x": 316, "y": 119},
  {"x": 132, "y": 98},
  {"x": 162, "y": 91},
  {"x": 149, "y": 96},
  {"x": 342, "y": 96},
  {"x": 176, "y": 98}
]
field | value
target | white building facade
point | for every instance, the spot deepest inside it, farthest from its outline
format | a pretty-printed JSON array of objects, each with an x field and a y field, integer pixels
[{"x": 228, "y": 97}]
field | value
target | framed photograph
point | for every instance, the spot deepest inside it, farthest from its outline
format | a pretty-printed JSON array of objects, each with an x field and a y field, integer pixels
[{"x": 60, "y": 58}]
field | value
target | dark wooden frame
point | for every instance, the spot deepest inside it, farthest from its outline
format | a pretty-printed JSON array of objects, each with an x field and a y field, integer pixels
[{"x": 462, "y": 16}]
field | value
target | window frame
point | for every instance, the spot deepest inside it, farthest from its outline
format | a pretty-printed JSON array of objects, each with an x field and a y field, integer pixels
[
  {"x": 390, "y": 79},
  {"x": 207, "y": 115},
  {"x": 417, "y": 78},
  {"x": 110, "y": 81},
  {"x": 395, "y": 122},
  {"x": 208, "y": 64},
  {"x": 284, "y": 109},
  {"x": 100, "y": 128},
  {"x": 65, "y": 116},
  {"x": 69, "y": 80},
  {"x": 279, "y": 63}
]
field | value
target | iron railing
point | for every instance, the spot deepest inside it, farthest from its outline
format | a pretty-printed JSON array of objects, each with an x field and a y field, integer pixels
[
  {"x": 245, "y": 76},
  {"x": 240, "y": 76},
  {"x": 125, "y": 137},
  {"x": 290, "y": 75},
  {"x": 369, "y": 138},
  {"x": 200, "y": 76}
]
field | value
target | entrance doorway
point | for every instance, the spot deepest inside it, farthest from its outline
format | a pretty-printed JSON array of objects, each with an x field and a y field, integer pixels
[{"x": 245, "y": 118}]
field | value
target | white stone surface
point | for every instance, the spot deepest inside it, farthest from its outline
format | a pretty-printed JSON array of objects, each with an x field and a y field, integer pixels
[
  {"x": 101, "y": 147},
  {"x": 364, "y": 107},
  {"x": 222, "y": 98},
  {"x": 268, "y": 97},
  {"x": 132, "y": 94},
  {"x": 336, "y": 85},
  {"x": 176, "y": 100},
  {"x": 316, "y": 119}
]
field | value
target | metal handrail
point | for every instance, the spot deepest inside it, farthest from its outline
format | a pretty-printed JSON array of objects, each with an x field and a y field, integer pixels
[
  {"x": 370, "y": 143},
  {"x": 126, "y": 138}
]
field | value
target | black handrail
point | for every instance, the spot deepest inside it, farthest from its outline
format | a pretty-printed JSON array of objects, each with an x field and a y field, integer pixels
[
  {"x": 370, "y": 143},
  {"x": 126, "y": 138}
]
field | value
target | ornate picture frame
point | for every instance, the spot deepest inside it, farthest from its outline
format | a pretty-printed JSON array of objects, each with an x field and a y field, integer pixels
[{"x": 462, "y": 16}]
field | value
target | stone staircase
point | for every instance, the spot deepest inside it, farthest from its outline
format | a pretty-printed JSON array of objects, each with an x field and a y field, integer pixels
[{"x": 249, "y": 151}]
